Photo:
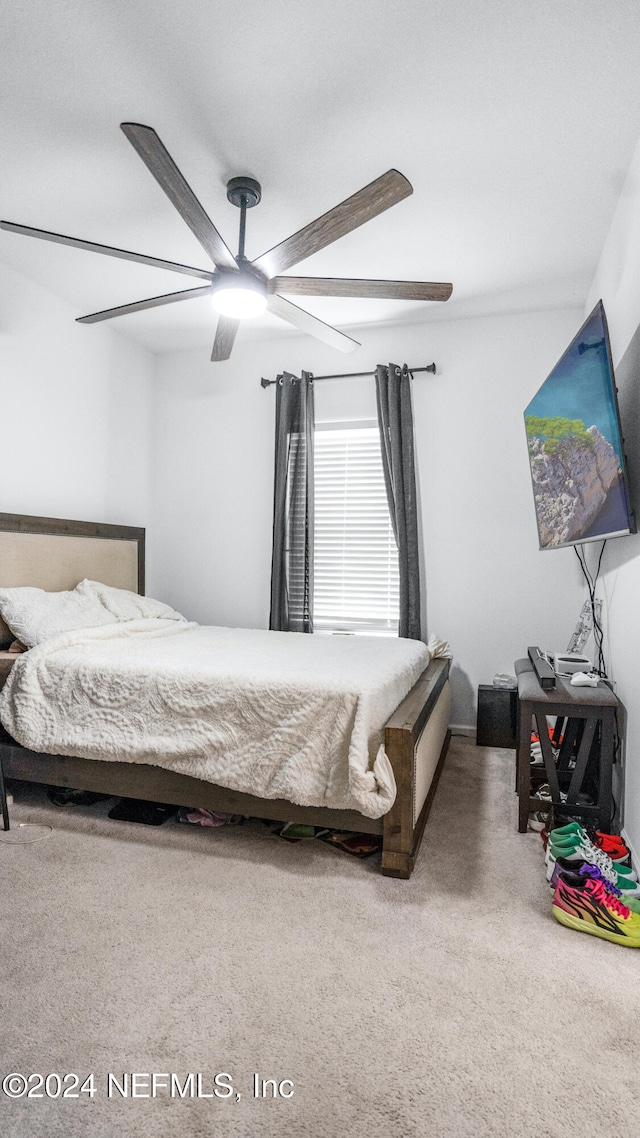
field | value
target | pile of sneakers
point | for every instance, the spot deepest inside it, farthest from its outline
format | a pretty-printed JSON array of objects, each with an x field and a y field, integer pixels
[
  {"x": 538, "y": 820},
  {"x": 594, "y": 890}
]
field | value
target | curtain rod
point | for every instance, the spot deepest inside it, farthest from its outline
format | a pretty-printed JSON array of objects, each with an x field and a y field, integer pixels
[{"x": 348, "y": 375}]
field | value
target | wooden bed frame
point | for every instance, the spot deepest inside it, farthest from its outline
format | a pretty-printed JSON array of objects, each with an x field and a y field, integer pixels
[{"x": 55, "y": 554}]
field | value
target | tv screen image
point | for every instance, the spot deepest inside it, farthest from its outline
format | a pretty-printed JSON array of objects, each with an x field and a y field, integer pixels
[{"x": 580, "y": 488}]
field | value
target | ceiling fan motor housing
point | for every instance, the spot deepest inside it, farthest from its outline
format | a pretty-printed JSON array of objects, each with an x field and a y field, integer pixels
[{"x": 238, "y": 294}]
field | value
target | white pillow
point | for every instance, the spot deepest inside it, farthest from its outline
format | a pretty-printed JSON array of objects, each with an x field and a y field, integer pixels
[
  {"x": 34, "y": 615},
  {"x": 123, "y": 605}
]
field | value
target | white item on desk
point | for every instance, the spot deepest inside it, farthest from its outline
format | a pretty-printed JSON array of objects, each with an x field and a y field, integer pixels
[
  {"x": 566, "y": 663},
  {"x": 582, "y": 680}
]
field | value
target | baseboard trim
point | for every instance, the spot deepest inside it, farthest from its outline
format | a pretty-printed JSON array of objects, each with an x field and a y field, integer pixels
[{"x": 462, "y": 729}]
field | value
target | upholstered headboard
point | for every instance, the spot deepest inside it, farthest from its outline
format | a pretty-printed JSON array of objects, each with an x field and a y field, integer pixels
[{"x": 55, "y": 554}]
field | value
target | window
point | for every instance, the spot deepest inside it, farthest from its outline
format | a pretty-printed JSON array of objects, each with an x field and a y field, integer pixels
[{"x": 355, "y": 576}]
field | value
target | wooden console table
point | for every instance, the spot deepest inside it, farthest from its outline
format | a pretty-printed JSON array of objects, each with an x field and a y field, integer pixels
[{"x": 586, "y": 711}]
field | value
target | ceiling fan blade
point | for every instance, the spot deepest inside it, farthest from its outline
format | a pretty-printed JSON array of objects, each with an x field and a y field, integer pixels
[
  {"x": 108, "y": 250},
  {"x": 343, "y": 286},
  {"x": 158, "y": 160},
  {"x": 225, "y": 337},
  {"x": 140, "y": 305},
  {"x": 303, "y": 320},
  {"x": 373, "y": 199}
]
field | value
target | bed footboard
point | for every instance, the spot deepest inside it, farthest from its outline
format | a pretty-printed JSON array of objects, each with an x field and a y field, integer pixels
[{"x": 416, "y": 741}]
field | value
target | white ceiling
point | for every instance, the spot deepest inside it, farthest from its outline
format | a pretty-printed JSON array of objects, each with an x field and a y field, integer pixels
[{"x": 515, "y": 123}]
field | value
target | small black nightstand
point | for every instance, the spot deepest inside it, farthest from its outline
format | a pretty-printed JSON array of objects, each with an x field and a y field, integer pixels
[{"x": 497, "y": 716}]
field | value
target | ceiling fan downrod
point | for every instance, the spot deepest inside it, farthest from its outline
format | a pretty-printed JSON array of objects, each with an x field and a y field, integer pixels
[{"x": 243, "y": 192}]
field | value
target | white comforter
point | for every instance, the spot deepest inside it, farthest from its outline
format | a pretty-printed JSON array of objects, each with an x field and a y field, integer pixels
[{"x": 275, "y": 714}]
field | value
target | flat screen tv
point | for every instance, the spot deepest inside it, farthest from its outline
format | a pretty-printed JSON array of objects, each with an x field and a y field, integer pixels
[{"x": 580, "y": 487}]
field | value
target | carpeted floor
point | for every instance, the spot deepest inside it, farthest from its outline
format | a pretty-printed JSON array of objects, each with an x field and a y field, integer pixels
[{"x": 451, "y": 1005}]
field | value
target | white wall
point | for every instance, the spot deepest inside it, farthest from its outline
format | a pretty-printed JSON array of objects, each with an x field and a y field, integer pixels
[
  {"x": 75, "y": 406},
  {"x": 96, "y": 428},
  {"x": 490, "y": 591},
  {"x": 617, "y": 283}
]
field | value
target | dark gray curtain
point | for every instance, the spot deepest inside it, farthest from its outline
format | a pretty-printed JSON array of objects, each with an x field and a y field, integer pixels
[
  {"x": 395, "y": 416},
  {"x": 292, "y": 560}
]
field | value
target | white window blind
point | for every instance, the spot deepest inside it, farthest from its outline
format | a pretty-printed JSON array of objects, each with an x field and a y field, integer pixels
[{"x": 355, "y": 576}]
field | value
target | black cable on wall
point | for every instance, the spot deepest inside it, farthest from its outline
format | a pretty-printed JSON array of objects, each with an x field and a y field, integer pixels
[{"x": 592, "y": 581}]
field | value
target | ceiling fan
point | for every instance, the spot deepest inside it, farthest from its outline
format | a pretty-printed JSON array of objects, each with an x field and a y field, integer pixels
[{"x": 239, "y": 287}]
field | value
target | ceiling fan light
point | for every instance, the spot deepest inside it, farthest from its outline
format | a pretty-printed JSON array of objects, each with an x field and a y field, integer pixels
[{"x": 239, "y": 295}]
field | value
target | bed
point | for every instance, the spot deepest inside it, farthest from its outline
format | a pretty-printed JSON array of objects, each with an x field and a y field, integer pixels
[{"x": 55, "y": 554}]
